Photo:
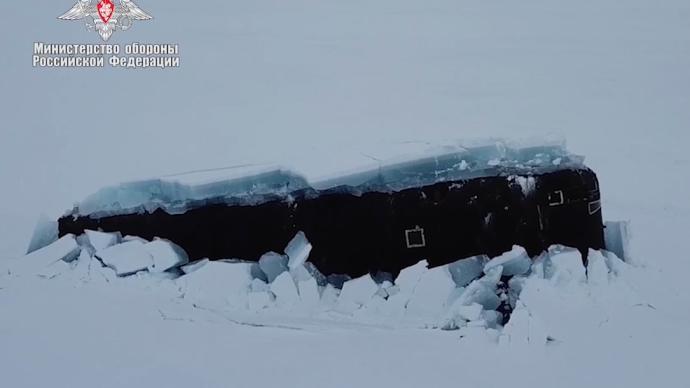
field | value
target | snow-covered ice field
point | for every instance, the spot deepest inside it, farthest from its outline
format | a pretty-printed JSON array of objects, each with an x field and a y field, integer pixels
[{"x": 317, "y": 85}]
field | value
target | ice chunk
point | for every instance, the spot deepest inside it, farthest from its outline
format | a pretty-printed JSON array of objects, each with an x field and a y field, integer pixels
[
  {"x": 617, "y": 238},
  {"x": 405, "y": 283},
  {"x": 523, "y": 328},
  {"x": 100, "y": 240},
  {"x": 258, "y": 285},
  {"x": 356, "y": 293},
  {"x": 565, "y": 266},
  {"x": 217, "y": 284},
  {"x": 431, "y": 294},
  {"x": 483, "y": 291},
  {"x": 409, "y": 277},
  {"x": 193, "y": 266},
  {"x": 166, "y": 255},
  {"x": 492, "y": 318},
  {"x": 615, "y": 265},
  {"x": 539, "y": 264},
  {"x": 384, "y": 288},
  {"x": 257, "y": 273},
  {"x": 126, "y": 258},
  {"x": 338, "y": 280},
  {"x": 307, "y": 286},
  {"x": 300, "y": 274},
  {"x": 309, "y": 292},
  {"x": 466, "y": 270},
  {"x": 45, "y": 233},
  {"x": 174, "y": 193},
  {"x": 285, "y": 290},
  {"x": 597, "y": 271},
  {"x": 514, "y": 262},
  {"x": 321, "y": 280},
  {"x": 455, "y": 295},
  {"x": 273, "y": 264},
  {"x": 298, "y": 250},
  {"x": 329, "y": 296},
  {"x": 515, "y": 286},
  {"x": 65, "y": 249}
]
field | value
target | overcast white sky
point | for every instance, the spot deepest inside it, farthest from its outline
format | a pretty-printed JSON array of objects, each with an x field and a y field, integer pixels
[{"x": 288, "y": 81}]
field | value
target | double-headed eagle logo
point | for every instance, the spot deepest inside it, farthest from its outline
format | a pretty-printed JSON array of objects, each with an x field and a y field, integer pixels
[{"x": 104, "y": 17}]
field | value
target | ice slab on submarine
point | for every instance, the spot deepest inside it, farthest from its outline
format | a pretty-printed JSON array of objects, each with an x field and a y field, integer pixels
[
  {"x": 251, "y": 184},
  {"x": 174, "y": 193}
]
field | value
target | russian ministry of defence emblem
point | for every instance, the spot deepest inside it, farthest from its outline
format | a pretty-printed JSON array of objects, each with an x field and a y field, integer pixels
[{"x": 105, "y": 17}]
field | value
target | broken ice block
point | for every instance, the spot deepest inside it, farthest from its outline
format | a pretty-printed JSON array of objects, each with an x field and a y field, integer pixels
[
  {"x": 45, "y": 233},
  {"x": 273, "y": 264},
  {"x": 617, "y": 238},
  {"x": 404, "y": 287},
  {"x": 100, "y": 240},
  {"x": 298, "y": 250},
  {"x": 166, "y": 255},
  {"x": 356, "y": 293},
  {"x": 431, "y": 294},
  {"x": 309, "y": 293},
  {"x": 514, "y": 262},
  {"x": 285, "y": 290},
  {"x": 329, "y": 296},
  {"x": 127, "y": 258},
  {"x": 483, "y": 291},
  {"x": 564, "y": 266},
  {"x": 466, "y": 270},
  {"x": 195, "y": 265},
  {"x": 597, "y": 271},
  {"x": 65, "y": 249},
  {"x": 321, "y": 279},
  {"x": 217, "y": 284}
]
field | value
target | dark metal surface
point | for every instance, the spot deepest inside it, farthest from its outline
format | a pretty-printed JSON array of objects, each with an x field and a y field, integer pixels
[{"x": 357, "y": 233}]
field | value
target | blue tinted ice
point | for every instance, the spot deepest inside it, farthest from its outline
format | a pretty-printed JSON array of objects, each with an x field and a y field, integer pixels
[
  {"x": 451, "y": 163},
  {"x": 176, "y": 194}
]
